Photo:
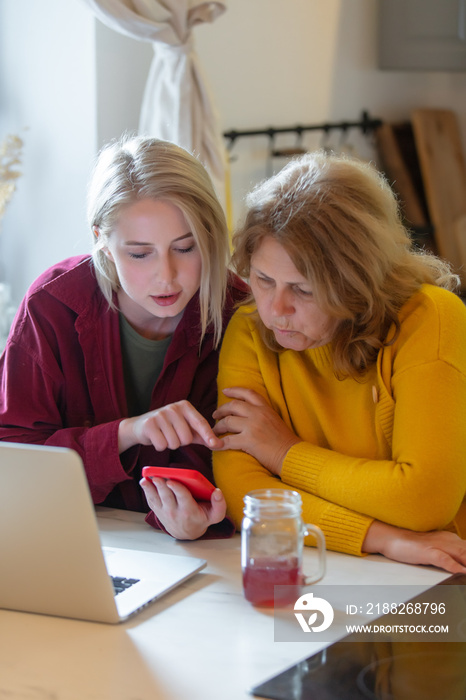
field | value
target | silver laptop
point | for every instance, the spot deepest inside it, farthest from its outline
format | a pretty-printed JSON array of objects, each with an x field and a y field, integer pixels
[{"x": 51, "y": 558}]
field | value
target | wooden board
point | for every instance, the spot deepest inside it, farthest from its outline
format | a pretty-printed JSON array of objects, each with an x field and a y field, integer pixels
[
  {"x": 460, "y": 233},
  {"x": 399, "y": 176},
  {"x": 441, "y": 158}
]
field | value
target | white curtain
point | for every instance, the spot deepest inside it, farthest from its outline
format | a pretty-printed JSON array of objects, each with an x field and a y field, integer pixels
[{"x": 176, "y": 106}]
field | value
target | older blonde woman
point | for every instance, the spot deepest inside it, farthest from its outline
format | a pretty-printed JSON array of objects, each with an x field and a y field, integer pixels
[{"x": 345, "y": 377}]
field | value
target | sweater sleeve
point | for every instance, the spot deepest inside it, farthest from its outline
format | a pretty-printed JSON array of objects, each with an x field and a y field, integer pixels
[
  {"x": 243, "y": 362},
  {"x": 421, "y": 409},
  {"x": 30, "y": 413},
  {"x": 422, "y": 487}
]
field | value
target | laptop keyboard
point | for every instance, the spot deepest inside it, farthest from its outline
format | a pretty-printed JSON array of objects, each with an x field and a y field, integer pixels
[{"x": 120, "y": 583}]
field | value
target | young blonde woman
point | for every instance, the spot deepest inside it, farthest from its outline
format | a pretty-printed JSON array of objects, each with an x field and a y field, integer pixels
[
  {"x": 345, "y": 377},
  {"x": 115, "y": 355}
]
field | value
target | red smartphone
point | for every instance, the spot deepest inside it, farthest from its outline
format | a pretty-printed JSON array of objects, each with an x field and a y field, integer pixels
[{"x": 199, "y": 486}]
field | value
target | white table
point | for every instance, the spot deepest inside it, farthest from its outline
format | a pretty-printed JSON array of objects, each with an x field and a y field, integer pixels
[{"x": 202, "y": 641}]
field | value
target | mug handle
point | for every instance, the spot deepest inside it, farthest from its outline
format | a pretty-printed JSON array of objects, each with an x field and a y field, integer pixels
[{"x": 320, "y": 539}]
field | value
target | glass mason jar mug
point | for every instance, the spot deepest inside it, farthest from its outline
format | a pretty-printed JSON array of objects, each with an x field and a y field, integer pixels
[{"x": 272, "y": 540}]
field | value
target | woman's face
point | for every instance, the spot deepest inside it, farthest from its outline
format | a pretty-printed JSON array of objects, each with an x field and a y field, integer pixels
[
  {"x": 284, "y": 299},
  {"x": 158, "y": 265}
]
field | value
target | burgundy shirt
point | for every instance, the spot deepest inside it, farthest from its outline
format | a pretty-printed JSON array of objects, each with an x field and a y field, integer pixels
[{"x": 62, "y": 380}]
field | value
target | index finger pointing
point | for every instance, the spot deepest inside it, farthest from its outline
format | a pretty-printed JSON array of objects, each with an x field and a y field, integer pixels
[{"x": 202, "y": 428}]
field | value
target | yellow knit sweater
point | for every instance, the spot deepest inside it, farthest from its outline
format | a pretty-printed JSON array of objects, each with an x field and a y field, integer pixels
[{"x": 391, "y": 447}]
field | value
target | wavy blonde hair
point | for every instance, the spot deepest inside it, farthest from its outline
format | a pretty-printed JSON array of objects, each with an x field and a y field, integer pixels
[
  {"x": 339, "y": 221},
  {"x": 136, "y": 168}
]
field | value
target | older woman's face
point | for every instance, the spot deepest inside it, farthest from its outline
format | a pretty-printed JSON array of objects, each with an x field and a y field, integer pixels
[{"x": 284, "y": 300}]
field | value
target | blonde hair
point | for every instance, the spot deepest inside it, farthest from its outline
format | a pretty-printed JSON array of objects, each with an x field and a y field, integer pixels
[
  {"x": 136, "y": 168},
  {"x": 339, "y": 221}
]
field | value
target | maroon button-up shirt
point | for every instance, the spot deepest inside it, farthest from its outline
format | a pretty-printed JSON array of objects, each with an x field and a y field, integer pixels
[{"x": 61, "y": 380}]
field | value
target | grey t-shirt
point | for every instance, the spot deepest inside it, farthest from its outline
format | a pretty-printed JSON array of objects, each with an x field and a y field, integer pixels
[{"x": 142, "y": 363}]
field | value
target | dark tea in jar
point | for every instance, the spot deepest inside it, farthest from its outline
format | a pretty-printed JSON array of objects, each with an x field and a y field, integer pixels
[{"x": 272, "y": 540}]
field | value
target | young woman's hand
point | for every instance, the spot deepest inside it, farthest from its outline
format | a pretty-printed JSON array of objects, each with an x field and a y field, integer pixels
[
  {"x": 438, "y": 548},
  {"x": 253, "y": 427},
  {"x": 176, "y": 509},
  {"x": 169, "y": 427}
]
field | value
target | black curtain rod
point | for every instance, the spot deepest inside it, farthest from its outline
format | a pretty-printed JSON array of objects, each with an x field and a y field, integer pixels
[{"x": 365, "y": 124}]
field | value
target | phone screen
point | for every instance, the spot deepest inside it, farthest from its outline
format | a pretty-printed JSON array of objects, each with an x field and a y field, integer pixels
[{"x": 385, "y": 669}]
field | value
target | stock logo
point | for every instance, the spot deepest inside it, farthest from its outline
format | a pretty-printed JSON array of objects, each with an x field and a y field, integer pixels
[{"x": 308, "y": 604}]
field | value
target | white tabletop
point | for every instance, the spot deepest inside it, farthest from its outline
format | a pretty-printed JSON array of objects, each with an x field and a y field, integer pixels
[{"x": 202, "y": 641}]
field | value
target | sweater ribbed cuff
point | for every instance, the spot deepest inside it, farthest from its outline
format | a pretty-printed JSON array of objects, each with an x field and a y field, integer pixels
[
  {"x": 344, "y": 530},
  {"x": 302, "y": 466}
]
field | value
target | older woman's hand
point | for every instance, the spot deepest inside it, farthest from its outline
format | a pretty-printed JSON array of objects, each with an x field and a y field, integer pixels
[
  {"x": 253, "y": 427},
  {"x": 437, "y": 548}
]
